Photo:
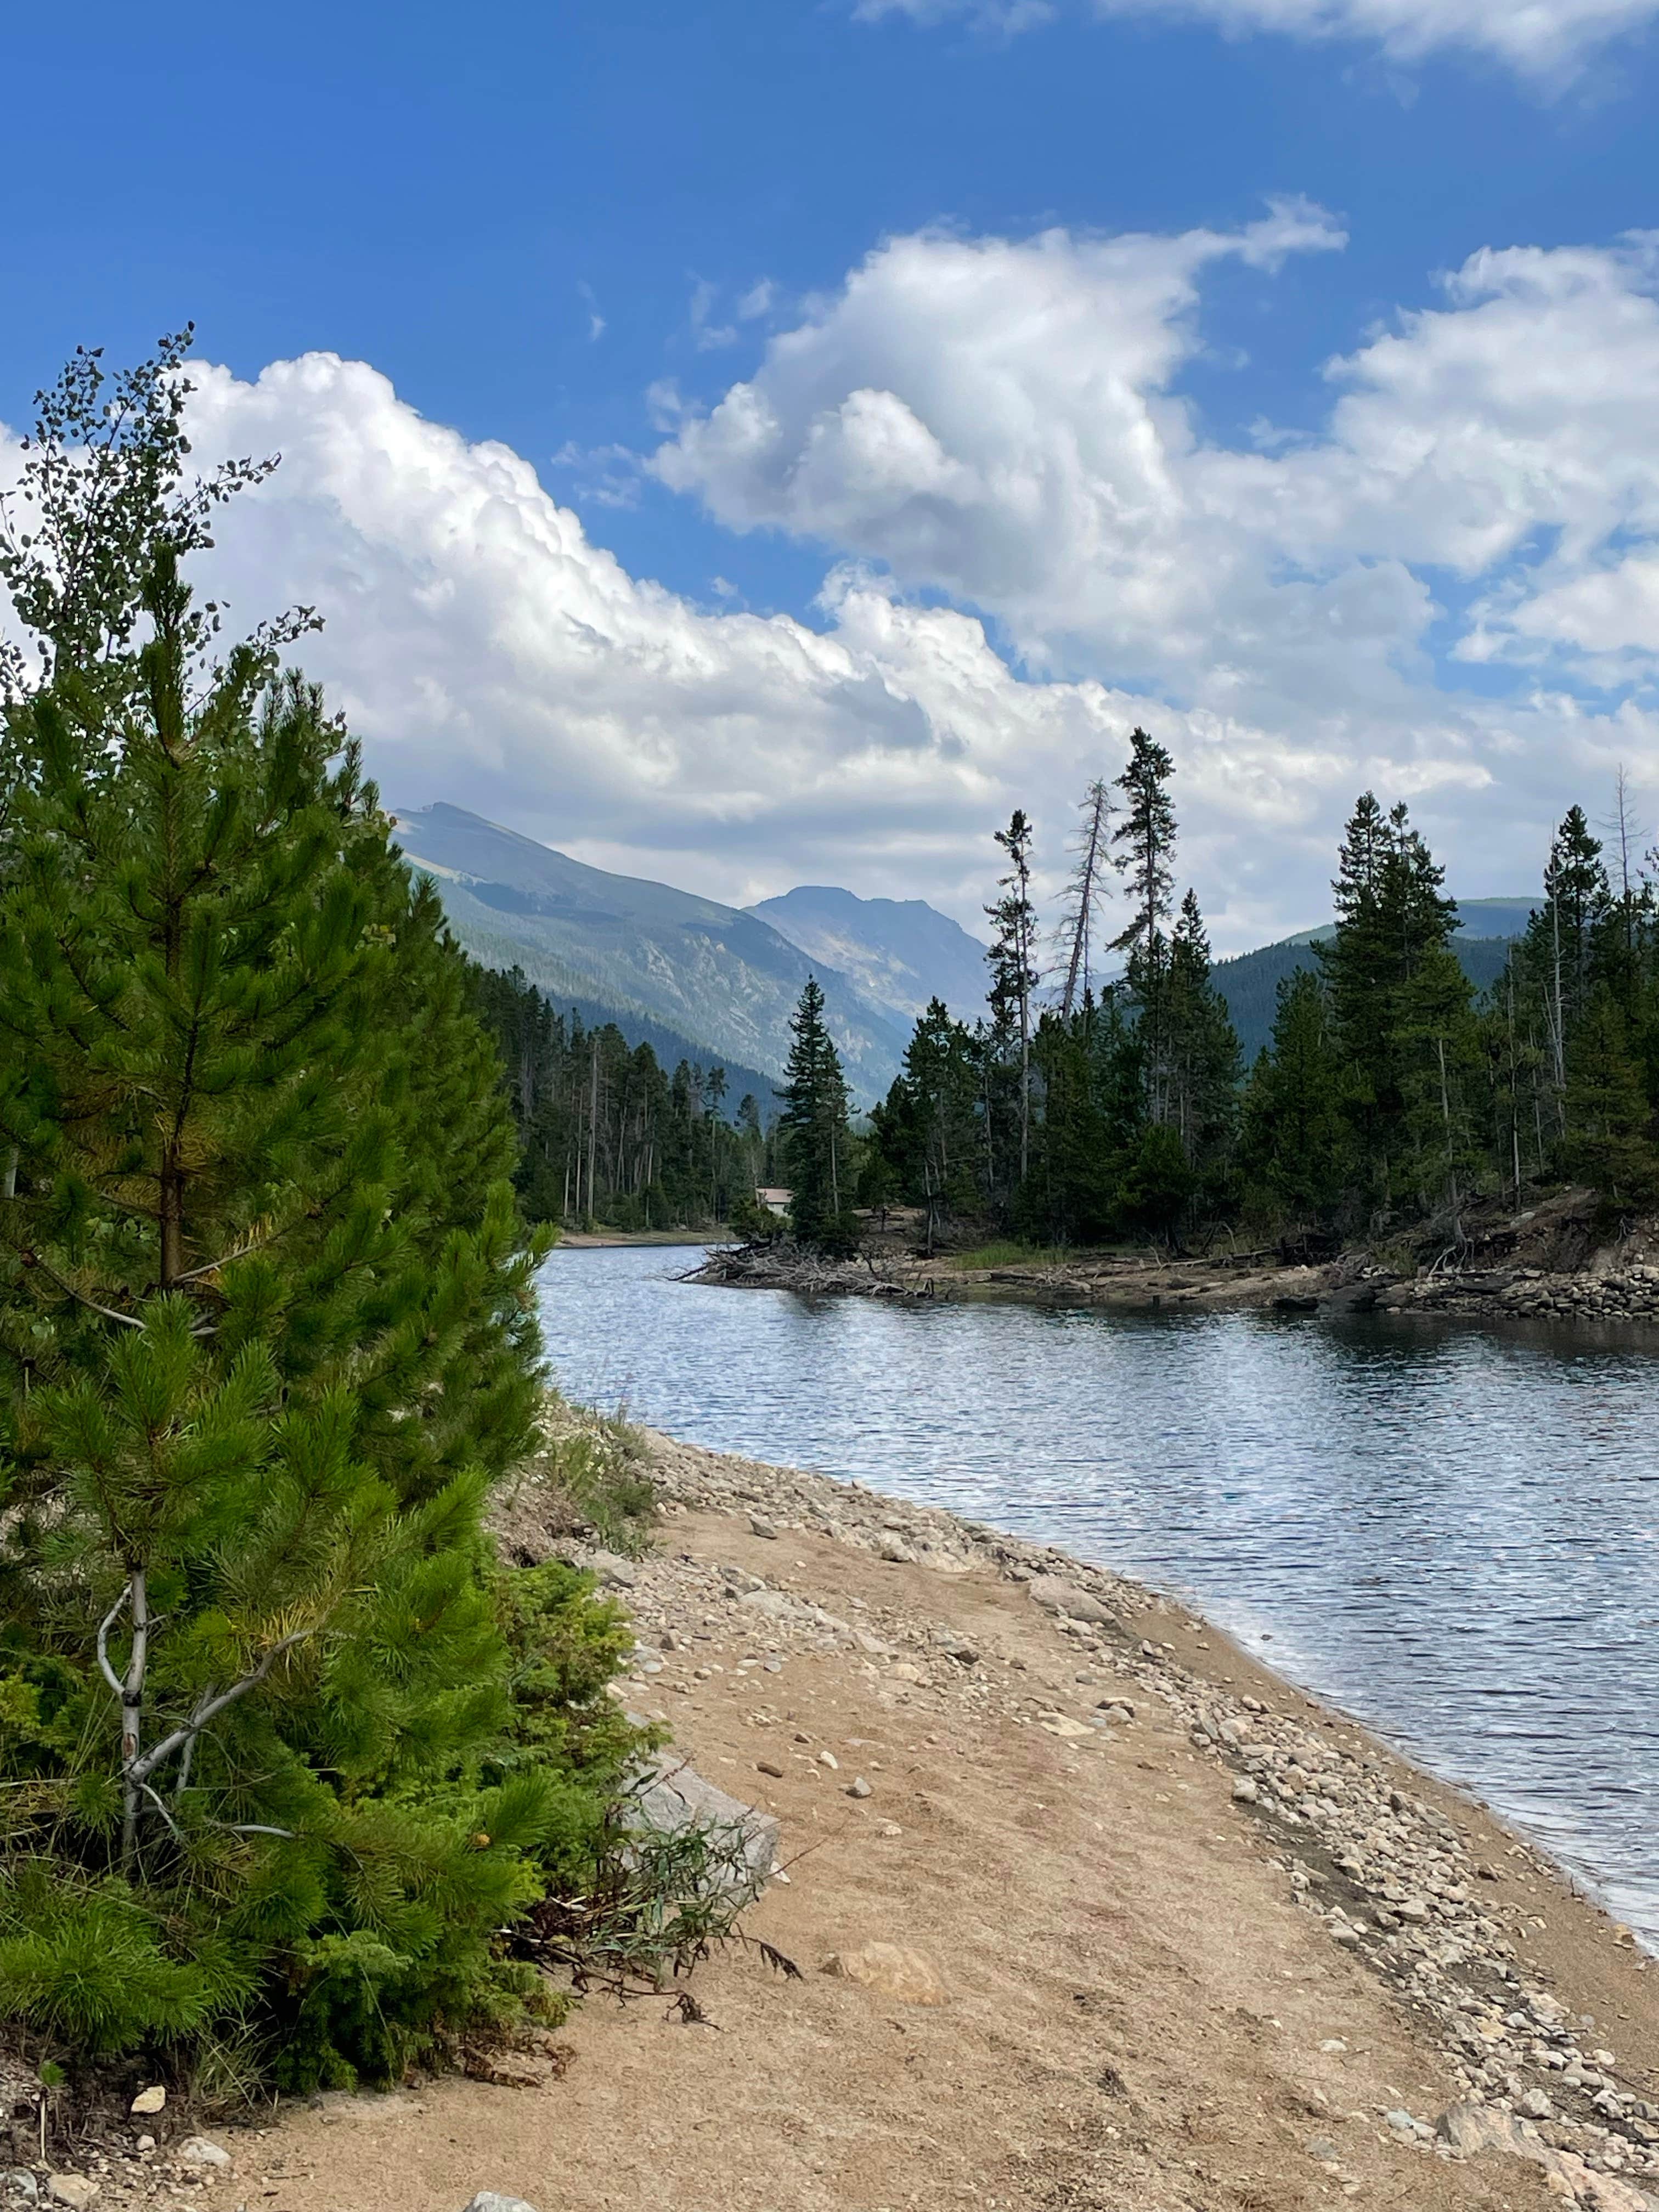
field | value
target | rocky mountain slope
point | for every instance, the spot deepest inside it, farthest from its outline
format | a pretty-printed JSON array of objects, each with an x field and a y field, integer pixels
[
  {"x": 724, "y": 980},
  {"x": 901, "y": 952}
]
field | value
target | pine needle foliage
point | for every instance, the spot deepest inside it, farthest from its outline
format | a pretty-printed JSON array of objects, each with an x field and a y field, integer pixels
[{"x": 282, "y": 1748}]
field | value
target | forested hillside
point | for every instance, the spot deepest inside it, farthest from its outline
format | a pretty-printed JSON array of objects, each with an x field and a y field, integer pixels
[
  {"x": 1390, "y": 1089},
  {"x": 606, "y": 1132}
]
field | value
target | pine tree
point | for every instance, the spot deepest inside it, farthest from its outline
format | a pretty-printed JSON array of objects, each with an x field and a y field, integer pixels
[
  {"x": 1013, "y": 965},
  {"x": 1399, "y": 1008},
  {"x": 926, "y": 1127},
  {"x": 814, "y": 1139},
  {"x": 1147, "y": 836},
  {"x": 267, "y": 1323},
  {"x": 1611, "y": 1123},
  {"x": 1296, "y": 1147},
  {"x": 1202, "y": 1054}
]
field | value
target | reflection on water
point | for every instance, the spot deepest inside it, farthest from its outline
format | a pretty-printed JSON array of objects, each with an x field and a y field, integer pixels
[{"x": 1452, "y": 1534}]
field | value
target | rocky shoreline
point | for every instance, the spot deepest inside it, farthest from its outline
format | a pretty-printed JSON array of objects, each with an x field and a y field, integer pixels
[
  {"x": 1383, "y": 1855},
  {"x": 1608, "y": 1290}
]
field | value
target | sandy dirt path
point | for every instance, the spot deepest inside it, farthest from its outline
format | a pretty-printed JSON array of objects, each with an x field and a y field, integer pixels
[{"x": 1140, "y": 2015}]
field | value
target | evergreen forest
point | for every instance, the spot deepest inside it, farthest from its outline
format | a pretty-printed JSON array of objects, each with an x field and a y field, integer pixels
[{"x": 1083, "y": 1109}]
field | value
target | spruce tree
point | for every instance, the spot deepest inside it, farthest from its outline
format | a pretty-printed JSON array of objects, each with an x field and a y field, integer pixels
[
  {"x": 1298, "y": 1155},
  {"x": 1012, "y": 958},
  {"x": 813, "y": 1135},
  {"x": 1144, "y": 843},
  {"x": 1202, "y": 1054}
]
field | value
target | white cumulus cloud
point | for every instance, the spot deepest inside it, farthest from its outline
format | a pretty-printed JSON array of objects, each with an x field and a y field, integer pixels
[
  {"x": 1448, "y": 589},
  {"x": 1000, "y": 421},
  {"x": 1540, "y": 38}
]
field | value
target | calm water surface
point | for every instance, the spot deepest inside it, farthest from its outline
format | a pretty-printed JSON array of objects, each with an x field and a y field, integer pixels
[{"x": 1452, "y": 1534}]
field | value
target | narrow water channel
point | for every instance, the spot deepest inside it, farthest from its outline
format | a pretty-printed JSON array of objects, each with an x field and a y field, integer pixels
[{"x": 1452, "y": 1533}]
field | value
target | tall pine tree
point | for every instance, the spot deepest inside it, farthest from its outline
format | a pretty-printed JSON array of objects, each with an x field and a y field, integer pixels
[{"x": 814, "y": 1139}]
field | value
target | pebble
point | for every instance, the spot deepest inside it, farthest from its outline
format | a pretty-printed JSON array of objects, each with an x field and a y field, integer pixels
[
  {"x": 202, "y": 2151},
  {"x": 765, "y": 1766},
  {"x": 857, "y": 1787}
]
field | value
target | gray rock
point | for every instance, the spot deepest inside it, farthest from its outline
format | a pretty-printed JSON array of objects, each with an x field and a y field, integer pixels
[
  {"x": 774, "y": 1605},
  {"x": 491, "y": 2200},
  {"x": 857, "y": 1787},
  {"x": 1322, "y": 2148},
  {"x": 21, "y": 2185},
  {"x": 1401, "y": 2122},
  {"x": 672, "y": 1797},
  {"x": 760, "y": 1527},
  {"x": 202, "y": 2151},
  {"x": 613, "y": 1572},
  {"x": 1470, "y": 2129},
  {"x": 1058, "y": 1596},
  {"x": 73, "y": 2189},
  {"x": 1244, "y": 1790}
]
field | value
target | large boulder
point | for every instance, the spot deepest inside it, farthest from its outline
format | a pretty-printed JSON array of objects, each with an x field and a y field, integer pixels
[{"x": 672, "y": 1797}]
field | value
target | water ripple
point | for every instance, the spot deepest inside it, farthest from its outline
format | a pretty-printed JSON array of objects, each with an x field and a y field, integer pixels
[{"x": 1449, "y": 1533}]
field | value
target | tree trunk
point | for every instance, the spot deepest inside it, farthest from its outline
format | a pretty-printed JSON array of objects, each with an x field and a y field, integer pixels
[{"x": 132, "y": 1712}]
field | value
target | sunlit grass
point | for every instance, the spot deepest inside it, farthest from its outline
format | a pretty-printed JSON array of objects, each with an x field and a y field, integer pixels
[{"x": 1004, "y": 1252}]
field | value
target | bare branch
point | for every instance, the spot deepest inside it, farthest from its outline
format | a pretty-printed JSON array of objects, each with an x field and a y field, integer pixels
[
  {"x": 159, "y": 1753},
  {"x": 31, "y": 1259},
  {"x": 104, "y": 1627}
]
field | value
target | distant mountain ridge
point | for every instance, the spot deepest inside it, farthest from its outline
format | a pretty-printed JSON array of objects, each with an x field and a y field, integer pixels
[
  {"x": 724, "y": 981},
  {"x": 700, "y": 980},
  {"x": 901, "y": 952}
]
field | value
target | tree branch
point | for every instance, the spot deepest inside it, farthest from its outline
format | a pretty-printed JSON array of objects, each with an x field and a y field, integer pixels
[
  {"x": 104, "y": 1627},
  {"x": 159, "y": 1753}
]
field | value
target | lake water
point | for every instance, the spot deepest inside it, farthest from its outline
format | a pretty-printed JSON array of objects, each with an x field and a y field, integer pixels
[{"x": 1453, "y": 1532}]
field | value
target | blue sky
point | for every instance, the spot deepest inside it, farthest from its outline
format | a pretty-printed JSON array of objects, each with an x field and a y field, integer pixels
[{"x": 577, "y": 232}]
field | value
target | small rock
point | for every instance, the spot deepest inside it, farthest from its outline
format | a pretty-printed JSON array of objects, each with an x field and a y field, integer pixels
[
  {"x": 828, "y": 1759},
  {"x": 491, "y": 2200},
  {"x": 890, "y": 1829},
  {"x": 1245, "y": 1792},
  {"x": 1063, "y": 1726},
  {"x": 202, "y": 2151},
  {"x": 758, "y": 1527},
  {"x": 1057, "y": 1596},
  {"x": 890, "y": 1970},
  {"x": 1322, "y": 2149},
  {"x": 895, "y": 1551},
  {"x": 71, "y": 2189},
  {"x": 857, "y": 1787},
  {"x": 149, "y": 2101},
  {"x": 20, "y": 2184},
  {"x": 1402, "y": 2122},
  {"x": 1471, "y": 2128},
  {"x": 1536, "y": 2105},
  {"x": 765, "y": 1766},
  {"x": 146, "y": 2143},
  {"x": 612, "y": 1571}
]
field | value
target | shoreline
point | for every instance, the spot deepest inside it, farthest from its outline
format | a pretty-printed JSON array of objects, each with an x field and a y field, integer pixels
[
  {"x": 1350, "y": 1286},
  {"x": 1163, "y": 1922}
]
